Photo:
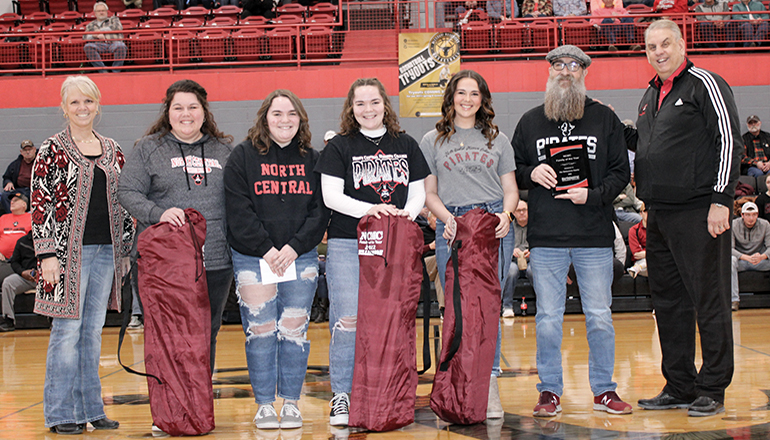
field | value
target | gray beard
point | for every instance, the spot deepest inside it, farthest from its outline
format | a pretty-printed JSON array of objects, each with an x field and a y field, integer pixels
[{"x": 565, "y": 104}]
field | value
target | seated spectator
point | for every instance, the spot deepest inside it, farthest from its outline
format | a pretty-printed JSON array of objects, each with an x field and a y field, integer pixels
[
  {"x": 669, "y": 7},
  {"x": 637, "y": 243},
  {"x": 14, "y": 225},
  {"x": 751, "y": 246},
  {"x": 133, "y": 4},
  {"x": 24, "y": 264},
  {"x": 536, "y": 8},
  {"x": 763, "y": 201},
  {"x": 754, "y": 29},
  {"x": 711, "y": 27},
  {"x": 616, "y": 21},
  {"x": 427, "y": 223},
  {"x": 498, "y": 13},
  {"x": 627, "y": 206},
  {"x": 107, "y": 42},
  {"x": 756, "y": 149},
  {"x": 569, "y": 8},
  {"x": 520, "y": 261},
  {"x": 18, "y": 175},
  {"x": 469, "y": 11},
  {"x": 262, "y": 8}
]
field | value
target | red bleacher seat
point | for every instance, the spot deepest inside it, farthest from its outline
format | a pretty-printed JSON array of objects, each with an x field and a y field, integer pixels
[
  {"x": 9, "y": 55},
  {"x": 280, "y": 43},
  {"x": 183, "y": 48},
  {"x": 577, "y": 32},
  {"x": 188, "y": 23},
  {"x": 130, "y": 23},
  {"x": 214, "y": 45},
  {"x": 195, "y": 12},
  {"x": 39, "y": 18},
  {"x": 292, "y": 9},
  {"x": 220, "y": 22},
  {"x": 249, "y": 44},
  {"x": 10, "y": 18},
  {"x": 540, "y": 34},
  {"x": 322, "y": 8},
  {"x": 254, "y": 20},
  {"x": 26, "y": 28},
  {"x": 132, "y": 14},
  {"x": 509, "y": 35},
  {"x": 156, "y": 23},
  {"x": 320, "y": 18},
  {"x": 71, "y": 52},
  {"x": 165, "y": 12},
  {"x": 318, "y": 41},
  {"x": 287, "y": 19},
  {"x": 57, "y": 27},
  {"x": 5, "y": 27},
  {"x": 71, "y": 17},
  {"x": 227, "y": 11},
  {"x": 475, "y": 37},
  {"x": 145, "y": 48}
]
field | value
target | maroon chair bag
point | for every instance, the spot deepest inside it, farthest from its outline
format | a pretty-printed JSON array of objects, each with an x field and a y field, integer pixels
[
  {"x": 471, "y": 318},
  {"x": 390, "y": 276},
  {"x": 177, "y": 325}
]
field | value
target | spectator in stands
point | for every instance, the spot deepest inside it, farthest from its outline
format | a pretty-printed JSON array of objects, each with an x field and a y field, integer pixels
[
  {"x": 165, "y": 174},
  {"x": 107, "y": 41},
  {"x": 763, "y": 201},
  {"x": 751, "y": 246},
  {"x": 616, "y": 21},
  {"x": 497, "y": 12},
  {"x": 520, "y": 261},
  {"x": 569, "y": 8},
  {"x": 755, "y": 28},
  {"x": 573, "y": 227},
  {"x": 669, "y": 7},
  {"x": 18, "y": 175},
  {"x": 637, "y": 242},
  {"x": 24, "y": 264},
  {"x": 427, "y": 223},
  {"x": 756, "y": 148},
  {"x": 82, "y": 247},
  {"x": 263, "y": 8},
  {"x": 712, "y": 27},
  {"x": 469, "y": 11},
  {"x": 536, "y": 8},
  {"x": 133, "y": 4},
  {"x": 487, "y": 181},
  {"x": 281, "y": 231},
  {"x": 14, "y": 224},
  {"x": 627, "y": 206}
]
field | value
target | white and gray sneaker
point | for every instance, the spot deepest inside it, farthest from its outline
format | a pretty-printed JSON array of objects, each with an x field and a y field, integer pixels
[
  {"x": 291, "y": 418},
  {"x": 266, "y": 417},
  {"x": 340, "y": 406}
]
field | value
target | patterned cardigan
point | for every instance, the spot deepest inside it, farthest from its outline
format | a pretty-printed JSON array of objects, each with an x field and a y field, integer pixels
[{"x": 61, "y": 190}]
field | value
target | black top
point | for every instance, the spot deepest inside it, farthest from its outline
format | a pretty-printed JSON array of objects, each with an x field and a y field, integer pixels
[{"x": 97, "y": 230}]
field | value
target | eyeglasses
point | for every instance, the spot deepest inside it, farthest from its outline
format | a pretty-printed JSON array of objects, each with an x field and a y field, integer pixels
[{"x": 573, "y": 66}]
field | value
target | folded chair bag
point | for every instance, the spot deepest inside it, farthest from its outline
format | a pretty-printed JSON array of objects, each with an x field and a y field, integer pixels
[
  {"x": 471, "y": 318},
  {"x": 177, "y": 325},
  {"x": 390, "y": 277}
]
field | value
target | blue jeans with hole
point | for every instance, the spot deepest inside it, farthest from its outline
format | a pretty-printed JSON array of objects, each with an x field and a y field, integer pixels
[
  {"x": 593, "y": 268},
  {"x": 277, "y": 359},
  {"x": 342, "y": 280},
  {"x": 507, "y": 245},
  {"x": 73, "y": 390}
]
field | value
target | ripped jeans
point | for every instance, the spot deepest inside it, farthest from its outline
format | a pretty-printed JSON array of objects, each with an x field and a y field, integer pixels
[
  {"x": 275, "y": 319},
  {"x": 342, "y": 277}
]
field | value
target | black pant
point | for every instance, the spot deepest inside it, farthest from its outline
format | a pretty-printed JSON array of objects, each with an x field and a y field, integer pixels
[
  {"x": 219, "y": 287},
  {"x": 689, "y": 275}
]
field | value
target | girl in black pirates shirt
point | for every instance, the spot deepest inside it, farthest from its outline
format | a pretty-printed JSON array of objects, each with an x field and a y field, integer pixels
[
  {"x": 370, "y": 168},
  {"x": 275, "y": 215}
]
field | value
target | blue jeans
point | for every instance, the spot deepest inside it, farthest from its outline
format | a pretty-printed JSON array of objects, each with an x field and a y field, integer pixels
[
  {"x": 754, "y": 33},
  {"x": 755, "y": 172},
  {"x": 94, "y": 50},
  {"x": 609, "y": 31},
  {"x": 73, "y": 390},
  {"x": 342, "y": 279},
  {"x": 510, "y": 283},
  {"x": 505, "y": 254},
  {"x": 743, "y": 266},
  {"x": 593, "y": 267},
  {"x": 277, "y": 348}
]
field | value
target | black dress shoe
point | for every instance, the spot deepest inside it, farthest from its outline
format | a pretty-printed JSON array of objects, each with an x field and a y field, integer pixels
[
  {"x": 105, "y": 423},
  {"x": 664, "y": 401},
  {"x": 705, "y": 406},
  {"x": 68, "y": 428}
]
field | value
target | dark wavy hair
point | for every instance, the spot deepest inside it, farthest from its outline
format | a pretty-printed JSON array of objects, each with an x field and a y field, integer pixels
[
  {"x": 259, "y": 134},
  {"x": 349, "y": 125},
  {"x": 484, "y": 116},
  {"x": 209, "y": 127}
]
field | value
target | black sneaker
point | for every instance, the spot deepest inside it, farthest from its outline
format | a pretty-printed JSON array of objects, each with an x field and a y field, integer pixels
[
  {"x": 7, "y": 325},
  {"x": 705, "y": 406},
  {"x": 663, "y": 401},
  {"x": 340, "y": 405}
]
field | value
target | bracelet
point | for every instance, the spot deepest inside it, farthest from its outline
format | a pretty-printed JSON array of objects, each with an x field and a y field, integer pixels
[
  {"x": 509, "y": 214},
  {"x": 719, "y": 205}
]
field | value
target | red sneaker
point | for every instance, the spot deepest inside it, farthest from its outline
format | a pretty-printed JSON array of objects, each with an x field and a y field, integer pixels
[
  {"x": 548, "y": 405},
  {"x": 611, "y": 403}
]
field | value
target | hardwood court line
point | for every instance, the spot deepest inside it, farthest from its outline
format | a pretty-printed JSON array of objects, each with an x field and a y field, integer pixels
[{"x": 752, "y": 349}]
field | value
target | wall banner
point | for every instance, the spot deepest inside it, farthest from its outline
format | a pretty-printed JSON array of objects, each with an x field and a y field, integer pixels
[{"x": 426, "y": 61}]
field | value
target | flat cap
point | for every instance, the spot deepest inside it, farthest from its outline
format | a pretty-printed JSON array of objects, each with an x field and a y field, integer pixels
[{"x": 570, "y": 51}]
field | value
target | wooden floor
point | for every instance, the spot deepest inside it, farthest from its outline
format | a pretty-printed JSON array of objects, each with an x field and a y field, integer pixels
[{"x": 637, "y": 372}]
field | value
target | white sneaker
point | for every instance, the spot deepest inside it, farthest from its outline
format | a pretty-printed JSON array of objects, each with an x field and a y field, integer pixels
[
  {"x": 508, "y": 313},
  {"x": 291, "y": 418},
  {"x": 136, "y": 323},
  {"x": 340, "y": 412},
  {"x": 266, "y": 417}
]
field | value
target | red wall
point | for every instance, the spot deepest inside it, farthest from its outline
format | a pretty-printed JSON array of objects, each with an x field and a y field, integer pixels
[{"x": 333, "y": 81}]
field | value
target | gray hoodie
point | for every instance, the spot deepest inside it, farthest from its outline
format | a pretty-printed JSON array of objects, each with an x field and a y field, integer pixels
[
  {"x": 750, "y": 241},
  {"x": 163, "y": 172}
]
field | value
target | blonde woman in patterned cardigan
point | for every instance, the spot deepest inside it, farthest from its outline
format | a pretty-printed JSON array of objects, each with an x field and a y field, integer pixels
[{"x": 82, "y": 241}]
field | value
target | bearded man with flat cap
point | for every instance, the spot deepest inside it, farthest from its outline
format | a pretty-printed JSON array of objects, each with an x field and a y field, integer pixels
[
  {"x": 688, "y": 153},
  {"x": 572, "y": 226}
]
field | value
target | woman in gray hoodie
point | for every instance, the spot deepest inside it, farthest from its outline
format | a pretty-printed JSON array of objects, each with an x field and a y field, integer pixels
[{"x": 179, "y": 164}]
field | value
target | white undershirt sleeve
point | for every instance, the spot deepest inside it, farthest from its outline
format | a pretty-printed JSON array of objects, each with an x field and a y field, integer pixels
[
  {"x": 415, "y": 199},
  {"x": 333, "y": 189}
]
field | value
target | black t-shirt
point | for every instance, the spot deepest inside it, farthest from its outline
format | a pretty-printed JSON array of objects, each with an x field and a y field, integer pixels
[
  {"x": 97, "y": 230},
  {"x": 372, "y": 173}
]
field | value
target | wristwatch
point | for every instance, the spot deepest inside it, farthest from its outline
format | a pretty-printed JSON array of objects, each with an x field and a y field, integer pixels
[{"x": 509, "y": 214}]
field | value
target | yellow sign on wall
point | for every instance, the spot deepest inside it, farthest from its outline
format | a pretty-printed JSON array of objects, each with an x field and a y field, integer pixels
[{"x": 426, "y": 61}]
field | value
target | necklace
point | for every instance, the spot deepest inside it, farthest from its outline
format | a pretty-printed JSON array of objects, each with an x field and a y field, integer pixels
[
  {"x": 375, "y": 141},
  {"x": 84, "y": 141}
]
